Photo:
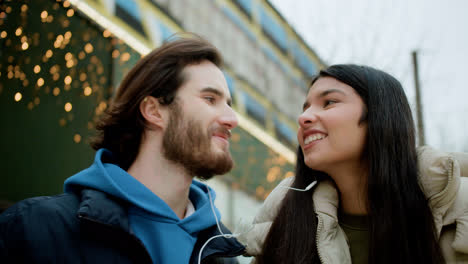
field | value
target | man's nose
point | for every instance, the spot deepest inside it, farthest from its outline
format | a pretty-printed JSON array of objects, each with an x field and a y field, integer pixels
[{"x": 229, "y": 118}]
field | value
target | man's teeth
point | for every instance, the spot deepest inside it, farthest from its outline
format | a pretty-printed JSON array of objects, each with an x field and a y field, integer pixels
[{"x": 313, "y": 138}]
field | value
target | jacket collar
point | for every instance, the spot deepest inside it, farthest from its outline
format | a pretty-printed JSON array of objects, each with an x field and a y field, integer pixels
[
  {"x": 326, "y": 199},
  {"x": 220, "y": 246},
  {"x": 101, "y": 208}
]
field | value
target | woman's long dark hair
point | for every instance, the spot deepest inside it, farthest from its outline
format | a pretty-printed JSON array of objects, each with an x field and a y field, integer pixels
[{"x": 401, "y": 225}]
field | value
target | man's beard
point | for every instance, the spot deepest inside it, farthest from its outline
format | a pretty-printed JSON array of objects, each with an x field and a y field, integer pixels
[{"x": 185, "y": 143}]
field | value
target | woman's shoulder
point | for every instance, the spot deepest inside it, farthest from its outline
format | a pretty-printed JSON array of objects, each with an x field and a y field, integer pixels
[{"x": 444, "y": 178}]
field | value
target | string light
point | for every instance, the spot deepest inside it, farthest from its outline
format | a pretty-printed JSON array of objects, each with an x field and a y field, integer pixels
[
  {"x": 125, "y": 56},
  {"x": 68, "y": 56},
  {"x": 4, "y": 34},
  {"x": 106, "y": 33},
  {"x": 44, "y": 14},
  {"x": 67, "y": 79},
  {"x": 68, "y": 107},
  {"x": 37, "y": 69},
  {"x": 18, "y": 96},
  {"x": 77, "y": 138},
  {"x": 87, "y": 91},
  {"x": 25, "y": 46},
  {"x": 49, "y": 53},
  {"x": 68, "y": 35},
  {"x": 56, "y": 91},
  {"x": 83, "y": 77},
  {"x": 40, "y": 82},
  {"x": 89, "y": 48},
  {"x": 18, "y": 31}
]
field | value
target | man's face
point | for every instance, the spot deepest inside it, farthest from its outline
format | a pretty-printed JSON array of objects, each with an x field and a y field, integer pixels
[{"x": 198, "y": 132}]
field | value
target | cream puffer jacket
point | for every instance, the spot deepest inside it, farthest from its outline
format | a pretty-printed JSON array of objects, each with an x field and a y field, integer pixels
[{"x": 444, "y": 178}]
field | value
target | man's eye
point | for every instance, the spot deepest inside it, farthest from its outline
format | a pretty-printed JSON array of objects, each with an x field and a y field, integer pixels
[{"x": 210, "y": 99}]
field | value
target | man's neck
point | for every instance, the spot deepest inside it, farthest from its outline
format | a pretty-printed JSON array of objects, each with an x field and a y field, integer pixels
[{"x": 167, "y": 180}]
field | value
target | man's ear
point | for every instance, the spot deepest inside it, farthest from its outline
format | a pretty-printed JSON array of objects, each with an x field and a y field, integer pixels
[{"x": 153, "y": 112}]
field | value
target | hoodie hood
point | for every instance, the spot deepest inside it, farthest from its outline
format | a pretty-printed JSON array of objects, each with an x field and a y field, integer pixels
[
  {"x": 163, "y": 233},
  {"x": 113, "y": 180}
]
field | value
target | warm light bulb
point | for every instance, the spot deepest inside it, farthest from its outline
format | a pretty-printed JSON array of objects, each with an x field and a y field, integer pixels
[
  {"x": 40, "y": 82},
  {"x": 18, "y": 96},
  {"x": 87, "y": 91},
  {"x": 70, "y": 12},
  {"x": 88, "y": 48},
  {"x": 67, "y": 79},
  {"x": 68, "y": 107},
  {"x": 106, "y": 33},
  {"x": 77, "y": 138},
  {"x": 44, "y": 14},
  {"x": 125, "y": 56},
  {"x": 37, "y": 69},
  {"x": 49, "y": 53}
]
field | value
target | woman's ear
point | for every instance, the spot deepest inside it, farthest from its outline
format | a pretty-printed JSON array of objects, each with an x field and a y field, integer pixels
[{"x": 153, "y": 112}]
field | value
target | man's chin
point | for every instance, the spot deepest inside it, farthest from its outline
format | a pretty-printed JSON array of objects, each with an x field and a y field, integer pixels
[{"x": 219, "y": 167}]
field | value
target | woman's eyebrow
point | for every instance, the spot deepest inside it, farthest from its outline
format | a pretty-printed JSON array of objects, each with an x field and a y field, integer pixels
[
  {"x": 329, "y": 91},
  {"x": 323, "y": 94}
]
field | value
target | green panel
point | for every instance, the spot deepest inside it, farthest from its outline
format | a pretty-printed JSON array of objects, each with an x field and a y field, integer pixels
[
  {"x": 41, "y": 143},
  {"x": 257, "y": 168}
]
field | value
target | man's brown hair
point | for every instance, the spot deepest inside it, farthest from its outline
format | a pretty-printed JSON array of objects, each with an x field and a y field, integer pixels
[{"x": 159, "y": 74}]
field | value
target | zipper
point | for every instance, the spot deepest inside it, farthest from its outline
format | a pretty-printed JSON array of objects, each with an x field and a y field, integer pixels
[{"x": 319, "y": 230}]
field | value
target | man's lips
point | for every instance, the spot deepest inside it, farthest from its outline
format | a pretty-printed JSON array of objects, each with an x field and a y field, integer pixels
[{"x": 223, "y": 134}]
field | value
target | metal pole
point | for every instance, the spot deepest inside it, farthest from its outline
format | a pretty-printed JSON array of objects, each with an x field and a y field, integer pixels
[{"x": 419, "y": 107}]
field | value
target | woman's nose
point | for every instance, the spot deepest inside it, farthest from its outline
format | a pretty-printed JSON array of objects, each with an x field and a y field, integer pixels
[{"x": 307, "y": 117}]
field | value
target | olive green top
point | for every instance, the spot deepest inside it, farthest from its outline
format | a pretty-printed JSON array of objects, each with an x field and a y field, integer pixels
[{"x": 356, "y": 228}]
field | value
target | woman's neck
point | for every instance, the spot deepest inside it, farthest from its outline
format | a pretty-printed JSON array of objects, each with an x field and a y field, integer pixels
[{"x": 351, "y": 182}]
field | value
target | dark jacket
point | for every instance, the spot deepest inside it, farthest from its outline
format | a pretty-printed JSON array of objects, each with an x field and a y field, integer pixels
[{"x": 90, "y": 227}]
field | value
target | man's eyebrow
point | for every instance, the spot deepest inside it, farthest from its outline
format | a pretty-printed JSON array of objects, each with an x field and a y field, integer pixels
[{"x": 218, "y": 93}]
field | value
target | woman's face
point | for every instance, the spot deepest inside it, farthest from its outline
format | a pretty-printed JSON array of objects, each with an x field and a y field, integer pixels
[{"x": 330, "y": 133}]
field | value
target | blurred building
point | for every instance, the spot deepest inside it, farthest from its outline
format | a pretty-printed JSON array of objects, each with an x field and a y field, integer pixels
[{"x": 61, "y": 61}]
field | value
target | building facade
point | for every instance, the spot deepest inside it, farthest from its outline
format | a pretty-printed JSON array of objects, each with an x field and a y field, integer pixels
[{"x": 61, "y": 61}]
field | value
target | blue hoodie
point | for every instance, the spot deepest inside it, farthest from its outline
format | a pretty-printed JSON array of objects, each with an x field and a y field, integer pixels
[{"x": 167, "y": 238}]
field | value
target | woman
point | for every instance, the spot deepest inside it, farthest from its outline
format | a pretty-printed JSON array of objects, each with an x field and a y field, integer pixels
[{"x": 370, "y": 205}]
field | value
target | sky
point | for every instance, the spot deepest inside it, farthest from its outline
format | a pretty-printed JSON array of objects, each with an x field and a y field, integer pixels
[{"x": 382, "y": 34}]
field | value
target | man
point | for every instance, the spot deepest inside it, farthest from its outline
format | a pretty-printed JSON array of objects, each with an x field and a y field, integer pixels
[{"x": 138, "y": 203}]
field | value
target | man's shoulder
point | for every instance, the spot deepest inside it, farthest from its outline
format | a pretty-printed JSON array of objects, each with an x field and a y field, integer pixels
[{"x": 41, "y": 209}]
